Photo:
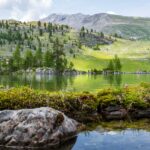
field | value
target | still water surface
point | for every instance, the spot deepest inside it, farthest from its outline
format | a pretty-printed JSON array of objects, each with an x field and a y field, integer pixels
[
  {"x": 101, "y": 139},
  {"x": 113, "y": 140},
  {"x": 72, "y": 83},
  {"x": 98, "y": 138}
]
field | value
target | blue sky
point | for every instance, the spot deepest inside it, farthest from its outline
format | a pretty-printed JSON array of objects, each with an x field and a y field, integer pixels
[
  {"x": 123, "y": 7},
  {"x": 35, "y": 9}
]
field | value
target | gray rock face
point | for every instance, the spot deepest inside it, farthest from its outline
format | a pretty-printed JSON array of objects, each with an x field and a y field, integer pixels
[{"x": 35, "y": 128}]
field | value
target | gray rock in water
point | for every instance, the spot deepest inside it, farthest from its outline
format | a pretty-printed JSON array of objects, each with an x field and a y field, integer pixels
[{"x": 35, "y": 127}]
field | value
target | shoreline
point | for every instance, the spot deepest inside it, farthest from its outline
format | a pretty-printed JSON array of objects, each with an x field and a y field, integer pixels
[
  {"x": 75, "y": 72},
  {"x": 50, "y": 71},
  {"x": 127, "y": 103}
]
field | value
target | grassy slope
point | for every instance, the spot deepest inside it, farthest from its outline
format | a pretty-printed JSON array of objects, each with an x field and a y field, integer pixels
[{"x": 134, "y": 54}]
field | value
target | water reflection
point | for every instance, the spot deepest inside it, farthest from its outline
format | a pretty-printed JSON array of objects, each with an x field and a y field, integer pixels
[
  {"x": 101, "y": 139},
  {"x": 115, "y": 135},
  {"x": 71, "y": 83},
  {"x": 65, "y": 146},
  {"x": 114, "y": 79},
  {"x": 113, "y": 140}
]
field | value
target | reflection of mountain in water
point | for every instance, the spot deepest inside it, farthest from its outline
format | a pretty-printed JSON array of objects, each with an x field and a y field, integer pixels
[{"x": 65, "y": 146}]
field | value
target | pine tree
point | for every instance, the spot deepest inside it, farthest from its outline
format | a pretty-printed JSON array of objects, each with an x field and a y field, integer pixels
[
  {"x": 117, "y": 64},
  {"x": 60, "y": 62},
  {"x": 38, "y": 57},
  {"x": 48, "y": 59},
  {"x": 102, "y": 35},
  {"x": 28, "y": 60},
  {"x": 45, "y": 26},
  {"x": 71, "y": 65},
  {"x": 110, "y": 66},
  {"x": 40, "y": 32},
  {"x": 39, "y": 24},
  {"x": 17, "y": 61},
  {"x": 82, "y": 32}
]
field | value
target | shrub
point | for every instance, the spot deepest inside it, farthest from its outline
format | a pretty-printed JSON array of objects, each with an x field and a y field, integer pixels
[
  {"x": 111, "y": 96},
  {"x": 86, "y": 103}
]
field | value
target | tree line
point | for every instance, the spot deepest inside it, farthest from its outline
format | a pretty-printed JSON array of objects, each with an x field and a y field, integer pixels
[{"x": 55, "y": 59}]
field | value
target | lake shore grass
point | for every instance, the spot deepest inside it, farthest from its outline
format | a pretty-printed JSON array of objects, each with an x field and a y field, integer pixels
[{"x": 106, "y": 104}]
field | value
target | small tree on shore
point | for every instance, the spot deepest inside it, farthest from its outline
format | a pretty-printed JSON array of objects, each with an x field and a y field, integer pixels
[
  {"x": 114, "y": 64},
  {"x": 117, "y": 64},
  {"x": 110, "y": 66}
]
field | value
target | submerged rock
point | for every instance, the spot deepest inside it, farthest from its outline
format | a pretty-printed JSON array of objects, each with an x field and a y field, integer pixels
[{"x": 35, "y": 128}]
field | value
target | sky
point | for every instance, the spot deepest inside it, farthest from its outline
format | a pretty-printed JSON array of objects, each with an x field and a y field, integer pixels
[{"x": 28, "y": 10}]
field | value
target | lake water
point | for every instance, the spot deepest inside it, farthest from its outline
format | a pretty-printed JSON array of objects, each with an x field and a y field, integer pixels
[
  {"x": 72, "y": 83},
  {"x": 100, "y": 138},
  {"x": 120, "y": 135},
  {"x": 113, "y": 140}
]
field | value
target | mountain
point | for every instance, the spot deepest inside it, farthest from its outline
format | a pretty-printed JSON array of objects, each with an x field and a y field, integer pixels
[{"x": 127, "y": 27}]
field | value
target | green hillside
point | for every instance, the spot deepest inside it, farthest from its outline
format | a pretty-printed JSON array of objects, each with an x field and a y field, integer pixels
[
  {"x": 136, "y": 60},
  {"x": 86, "y": 49}
]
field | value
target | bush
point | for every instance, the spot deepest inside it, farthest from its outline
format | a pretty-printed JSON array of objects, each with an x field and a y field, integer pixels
[
  {"x": 25, "y": 97},
  {"x": 107, "y": 97}
]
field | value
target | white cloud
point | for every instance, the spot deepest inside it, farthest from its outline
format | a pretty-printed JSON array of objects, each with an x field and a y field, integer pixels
[
  {"x": 25, "y": 10},
  {"x": 111, "y": 12}
]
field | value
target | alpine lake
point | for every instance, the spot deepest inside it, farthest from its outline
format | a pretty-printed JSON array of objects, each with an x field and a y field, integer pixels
[{"x": 117, "y": 135}]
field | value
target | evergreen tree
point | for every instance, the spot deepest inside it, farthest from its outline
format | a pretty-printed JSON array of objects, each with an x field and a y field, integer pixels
[
  {"x": 17, "y": 61},
  {"x": 71, "y": 65},
  {"x": 50, "y": 34},
  {"x": 117, "y": 64},
  {"x": 7, "y": 25},
  {"x": 48, "y": 59},
  {"x": 28, "y": 60},
  {"x": 102, "y": 35},
  {"x": 38, "y": 57},
  {"x": 10, "y": 65},
  {"x": 82, "y": 32},
  {"x": 50, "y": 27},
  {"x": 110, "y": 66},
  {"x": 60, "y": 62},
  {"x": 40, "y": 32},
  {"x": 39, "y": 24},
  {"x": 45, "y": 26}
]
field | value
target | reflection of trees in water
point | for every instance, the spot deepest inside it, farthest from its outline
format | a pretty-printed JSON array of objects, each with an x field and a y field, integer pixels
[
  {"x": 61, "y": 82},
  {"x": 63, "y": 146},
  {"x": 115, "y": 80},
  {"x": 45, "y": 82},
  {"x": 10, "y": 81},
  {"x": 118, "y": 79}
]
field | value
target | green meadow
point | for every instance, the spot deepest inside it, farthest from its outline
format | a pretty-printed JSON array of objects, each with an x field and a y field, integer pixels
[{"x": 134, "y": 55}]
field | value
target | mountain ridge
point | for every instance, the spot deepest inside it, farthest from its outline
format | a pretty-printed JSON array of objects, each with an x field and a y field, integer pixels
[{"x": 126, "y": 26}]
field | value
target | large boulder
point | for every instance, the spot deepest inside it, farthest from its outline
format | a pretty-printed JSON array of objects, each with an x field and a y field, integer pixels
[{"x": 35, "y": 128}]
